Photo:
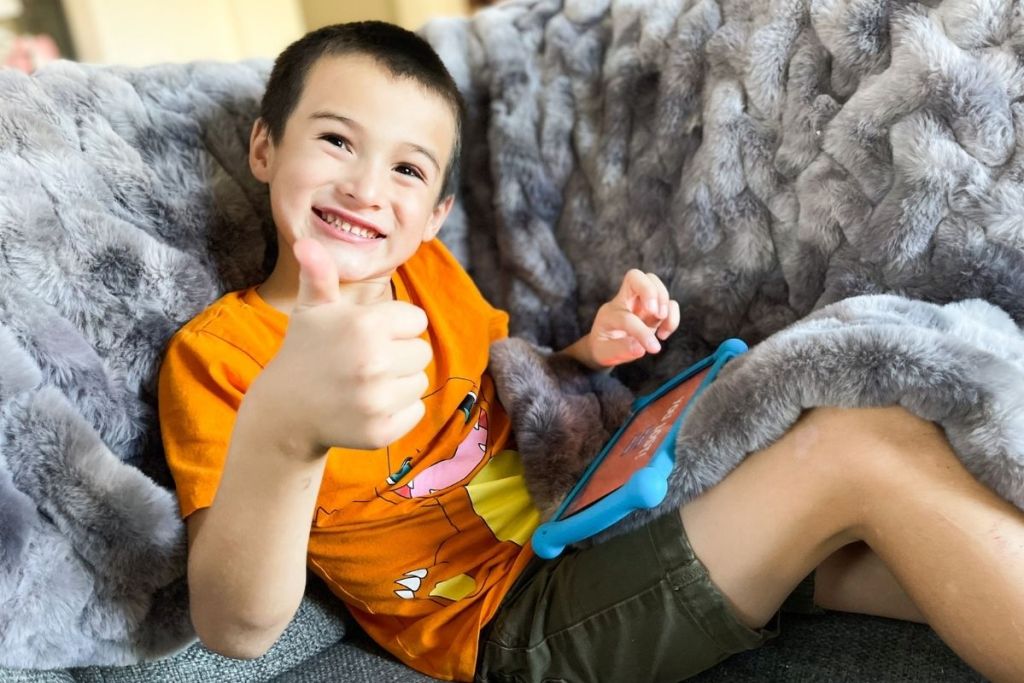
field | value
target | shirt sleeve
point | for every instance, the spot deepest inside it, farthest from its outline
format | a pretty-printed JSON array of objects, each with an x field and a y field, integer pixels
[
  {"x": 498, "y": 324},
  {"x": 497, "y": 319},
  {"x": 449, "y": 270},
  {"x": 201, "y": 384}
]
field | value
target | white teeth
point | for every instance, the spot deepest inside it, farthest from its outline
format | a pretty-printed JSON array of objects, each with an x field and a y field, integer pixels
[
  {"x": 335, "y": 221},
  {"x": 355, "y": 230}
]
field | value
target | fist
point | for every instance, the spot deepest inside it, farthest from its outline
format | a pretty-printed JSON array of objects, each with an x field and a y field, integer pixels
[
  {"x": 347, "y": 374},
  {"x": 634, "y": 322}
]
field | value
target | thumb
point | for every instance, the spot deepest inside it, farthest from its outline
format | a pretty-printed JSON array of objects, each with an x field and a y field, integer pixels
[{"x": 318, "y": 276}]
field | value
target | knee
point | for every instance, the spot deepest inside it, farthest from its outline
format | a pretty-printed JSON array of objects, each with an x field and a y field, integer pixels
[{"x": 871, "y": 442}]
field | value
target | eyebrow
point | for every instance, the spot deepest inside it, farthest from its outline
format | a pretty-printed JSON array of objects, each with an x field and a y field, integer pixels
[{"x": 354, "y": 124}]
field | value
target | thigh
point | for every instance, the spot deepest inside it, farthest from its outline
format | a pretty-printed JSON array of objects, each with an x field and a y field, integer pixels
[{"x": 639, "y": 607}]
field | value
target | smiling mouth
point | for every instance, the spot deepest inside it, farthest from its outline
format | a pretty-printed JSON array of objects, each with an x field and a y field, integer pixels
[{"x": 337, "y": 223}]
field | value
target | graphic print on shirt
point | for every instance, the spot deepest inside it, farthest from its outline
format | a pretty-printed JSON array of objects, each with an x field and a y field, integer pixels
[
  {"x": 441, "y": 475},
  {"x": 494, "y": 496}
]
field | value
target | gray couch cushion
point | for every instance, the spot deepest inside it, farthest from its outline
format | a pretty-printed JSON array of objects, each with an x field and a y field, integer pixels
[{"x": 319, "y": 625}]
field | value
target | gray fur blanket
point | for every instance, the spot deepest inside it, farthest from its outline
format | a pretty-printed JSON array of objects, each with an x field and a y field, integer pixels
[
  {"x": 764, "y": 157},
  {"x": 126, "y": 206},
  {"x": 960, "y": 365},
  {"x": 765, "y": 160}
]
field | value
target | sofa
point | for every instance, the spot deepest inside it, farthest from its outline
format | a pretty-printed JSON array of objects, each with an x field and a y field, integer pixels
[{"x": 126, "y": 207}]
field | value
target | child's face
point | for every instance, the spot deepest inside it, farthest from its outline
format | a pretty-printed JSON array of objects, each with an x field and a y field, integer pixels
[{"x": 359, "y": 167}]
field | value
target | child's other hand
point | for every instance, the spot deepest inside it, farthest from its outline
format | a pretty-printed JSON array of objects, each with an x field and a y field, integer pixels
[
  {"x": 635, "y": 322},
  {"x": 348, "y": 375}
]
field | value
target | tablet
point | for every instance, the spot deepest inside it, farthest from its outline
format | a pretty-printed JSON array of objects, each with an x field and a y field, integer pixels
[{"x": 631, "y": 470}]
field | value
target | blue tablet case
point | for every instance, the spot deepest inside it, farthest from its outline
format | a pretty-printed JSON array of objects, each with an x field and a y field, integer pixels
[{"x": 647, "y": 486}]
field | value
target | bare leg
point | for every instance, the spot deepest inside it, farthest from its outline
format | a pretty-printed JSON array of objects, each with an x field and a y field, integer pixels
[
  {"x": 890, "y": 479},
  {"x": 854, "y": 579}
]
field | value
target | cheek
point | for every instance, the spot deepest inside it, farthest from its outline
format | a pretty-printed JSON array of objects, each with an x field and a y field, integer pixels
[
  {"x": 306, "y": 175},
  {"x": 286, "y": 202},
  {"x": 284, "y": 210},
  {"x": 290, "y": 195},
  {"x": 414, "y": 207}
]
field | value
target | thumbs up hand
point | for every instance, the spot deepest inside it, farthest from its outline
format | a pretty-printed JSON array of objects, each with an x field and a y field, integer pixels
[{"x": 348, "y": 374}]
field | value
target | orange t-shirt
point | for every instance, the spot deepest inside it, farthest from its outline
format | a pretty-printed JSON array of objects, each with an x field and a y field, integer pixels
[{"x": 421, "y": 539}]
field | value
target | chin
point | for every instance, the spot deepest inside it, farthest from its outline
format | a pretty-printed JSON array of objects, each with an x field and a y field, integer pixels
[{"x": 349, "y": 272}]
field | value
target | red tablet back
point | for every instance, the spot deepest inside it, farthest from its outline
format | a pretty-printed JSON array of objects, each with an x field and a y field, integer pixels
[{"x": 637, "y": 444}]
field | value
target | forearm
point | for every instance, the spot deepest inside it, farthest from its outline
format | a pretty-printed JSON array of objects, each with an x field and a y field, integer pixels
[{"x": 247, "y": 566}]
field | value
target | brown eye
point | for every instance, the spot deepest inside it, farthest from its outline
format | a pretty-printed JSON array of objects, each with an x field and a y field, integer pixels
[
  {"x": 337, "y": 141},
  {"x": 412, "y": 171}
]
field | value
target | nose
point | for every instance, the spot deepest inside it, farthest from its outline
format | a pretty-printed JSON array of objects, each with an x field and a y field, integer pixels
[{"x": 362, "y": 184}]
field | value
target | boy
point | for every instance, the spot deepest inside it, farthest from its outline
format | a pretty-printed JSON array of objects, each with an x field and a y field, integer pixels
[{"x": 339, "y": 416}]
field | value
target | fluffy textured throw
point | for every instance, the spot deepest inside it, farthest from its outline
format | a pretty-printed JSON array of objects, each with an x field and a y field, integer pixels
[
  {"x": 960, "y": 365},
  {"x": 765, "y": 159},
  {"x": 126, "y": 206}
]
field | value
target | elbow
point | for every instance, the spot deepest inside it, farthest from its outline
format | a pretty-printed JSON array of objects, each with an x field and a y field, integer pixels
[
  {"x": 225, "y": 629},
  {"x": 234, "y": 616},
  {"x": 235, "y": 640}
]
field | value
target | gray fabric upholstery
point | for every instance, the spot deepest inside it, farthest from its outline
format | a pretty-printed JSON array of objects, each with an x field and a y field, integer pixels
[
  {"x": 825, "y": 649},
  {"x": 319, "y": 625}
]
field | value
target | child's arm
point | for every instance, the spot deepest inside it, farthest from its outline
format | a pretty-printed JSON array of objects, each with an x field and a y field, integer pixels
[
  {"x": 629, "y": 325},
  {"x": 348, "y": 376}
]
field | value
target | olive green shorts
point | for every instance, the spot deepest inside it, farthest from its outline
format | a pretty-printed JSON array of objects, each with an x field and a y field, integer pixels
[{"x": 638, "y": 607}]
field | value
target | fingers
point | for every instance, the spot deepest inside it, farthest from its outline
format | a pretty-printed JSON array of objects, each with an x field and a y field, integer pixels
[
  {"x": 401, "y": 319},
  {"x": 646, "y": 295},
  {"x": 318, "y": 285},
  {"x": 319, "y": 282},
  {"x": 671, "y": 323},
  {"x": 636, "y": 321},
  {"x": 401, "y": 423},
  {"x": 318, "y": 276},
  {"x": 410, "y": 356},
  {"x": 636, "y": 330},
  {"x": 664, "y": 300},
  {"x": 402, "y": 392}
]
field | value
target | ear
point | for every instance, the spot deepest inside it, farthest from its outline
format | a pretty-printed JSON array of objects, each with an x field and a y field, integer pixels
[
  {"x": 437, "y": 217},
  {"x": 261, "y": 151}
]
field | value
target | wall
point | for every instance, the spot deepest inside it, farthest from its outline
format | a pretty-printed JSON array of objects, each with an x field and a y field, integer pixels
[
  {"x": 408, "y": 13},
  {"x": 138, "y": 32}
]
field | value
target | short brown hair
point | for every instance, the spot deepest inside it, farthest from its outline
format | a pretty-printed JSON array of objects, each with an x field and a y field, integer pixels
[{"x": 401, "y": 52}]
